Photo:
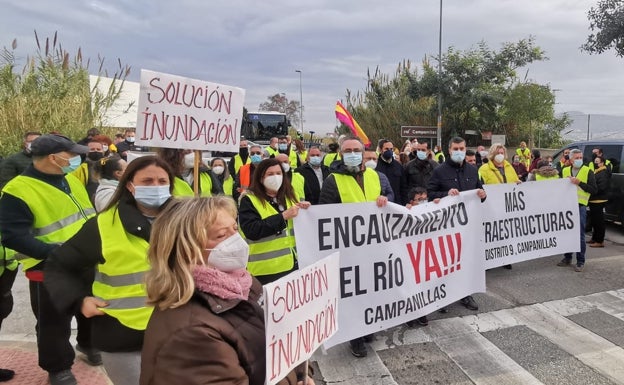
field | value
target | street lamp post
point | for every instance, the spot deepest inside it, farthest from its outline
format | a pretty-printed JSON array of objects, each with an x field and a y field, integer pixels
[
  {"x": 439, "y": 131},
  {"x": 300, "y": 101}
]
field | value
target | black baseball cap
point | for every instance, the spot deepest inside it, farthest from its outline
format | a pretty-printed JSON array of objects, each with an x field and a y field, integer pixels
[{"x": 52, "y": 143}]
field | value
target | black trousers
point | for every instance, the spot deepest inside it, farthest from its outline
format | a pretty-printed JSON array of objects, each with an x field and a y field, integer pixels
[
  {"x": 6, "y": 297},
  {"x": 54, "y": 329},
  {"x": 596, "y": 216}
]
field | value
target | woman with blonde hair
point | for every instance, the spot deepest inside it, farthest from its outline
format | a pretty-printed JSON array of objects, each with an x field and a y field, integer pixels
[
  {"x": 498, "y": 169},
  {"x": 208, "y": 325}
]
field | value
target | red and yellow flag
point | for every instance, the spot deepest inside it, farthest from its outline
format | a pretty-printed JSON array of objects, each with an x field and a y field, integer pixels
[{"x": 345, "y": 118}]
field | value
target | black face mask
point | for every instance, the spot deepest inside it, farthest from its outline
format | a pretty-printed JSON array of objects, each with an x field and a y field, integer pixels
[
  {"x": 95, "y": 156},
  {"x": 243, "y": 152},
  {"x": 594, "y": 155}
]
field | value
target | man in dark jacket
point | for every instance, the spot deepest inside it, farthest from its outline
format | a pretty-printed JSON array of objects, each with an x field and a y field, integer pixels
[
  {"x": 128, "y": 145},
  {"x": 351, "y": 169},
  {"x": 419, "y": 170},
  {"x": 393, "y": 170},
  {"x": 15, "y": 164},
  {"x": 314, "y": 173},
  {"x": 453, "y": 176}
]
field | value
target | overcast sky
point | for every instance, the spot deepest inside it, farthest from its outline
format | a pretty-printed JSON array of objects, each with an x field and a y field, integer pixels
[{"x": 258, "y": 45}]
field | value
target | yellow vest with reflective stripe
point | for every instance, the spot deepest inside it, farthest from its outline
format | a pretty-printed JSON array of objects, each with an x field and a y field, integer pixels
[
  {"x": 439, "y": 157},
  {"x": 57, "y": 216},
  {"x": 541, "y": 177},
  {"x": 238, "y": 162},
  {"x": 273, "y": 254},
  {"x": 8, "y": 260},
  {"x": 524, "y": 155},
  {"x": 298, "y": 183},
  {"x": 120, "y": 279},
  {"x": 228, "y": 185},
  {"x": 582, "y": 195},
  {"x": 272, "y": 152},
  {"x": 292, "y": 157},
  {"x": 181, "y": 188},
  {"x": 351, "y": 192},
  {"x": 205, "y": 182},
  {"x": 329, "y": 158},
  {"x": 607, "y": 164},
  {"x": 303, "y": 155}
]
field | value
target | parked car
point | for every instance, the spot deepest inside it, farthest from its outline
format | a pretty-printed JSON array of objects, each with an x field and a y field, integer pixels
[{"x": 614, "y": 152}]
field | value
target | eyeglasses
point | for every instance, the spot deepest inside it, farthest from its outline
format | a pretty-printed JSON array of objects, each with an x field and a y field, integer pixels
[{"x": 255, "y": 153}]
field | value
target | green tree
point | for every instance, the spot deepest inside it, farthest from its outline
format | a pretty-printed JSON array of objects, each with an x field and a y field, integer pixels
[
  {"x": 280, "y": 103},
  {"x": 386, "y": 105},
  {"x": 480, "y": 90},
  {"x": 474, "y": 84},
  {"x": 606, "y": 21},
  {"x": 50, "y": 93}
]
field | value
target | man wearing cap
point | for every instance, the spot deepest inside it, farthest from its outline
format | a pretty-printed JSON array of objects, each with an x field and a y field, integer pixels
[{"x": 39, "y": 210}]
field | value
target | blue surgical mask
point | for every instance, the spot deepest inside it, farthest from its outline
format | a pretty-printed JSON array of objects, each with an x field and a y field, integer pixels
[
  {"x": 577, "y": 163},
  {"x": 315, "y": 160},
  {"x": 74, "y": 163},
  {"x": 282, "y": 146},
  {"x": 422, "y": 155},
  {"x": 255, "y": 159},
  {"x": 151, "y": 196},
  {"x": 352, "y": 159},
  {"x": 458, "y": 156}
]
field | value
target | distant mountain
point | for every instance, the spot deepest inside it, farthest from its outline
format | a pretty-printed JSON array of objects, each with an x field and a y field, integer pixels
[{"x": 600, "y": 126}]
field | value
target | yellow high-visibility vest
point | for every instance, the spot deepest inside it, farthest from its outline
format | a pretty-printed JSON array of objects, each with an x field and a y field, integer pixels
[
  {"x": 181, "y": 188},
  {"x": 57, "y": 215},
  {"x": 120, "y": 280},
  {"x": 351, "y": 192},
  {"x": 583, "y": 174},
  {"x": 273, "y": 254}
]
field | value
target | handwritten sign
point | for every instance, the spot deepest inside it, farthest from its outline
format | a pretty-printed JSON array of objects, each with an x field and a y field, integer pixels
[
  {"x": 178, "y": 112},
  {"x": 301, "y": 313},
  {"x": 529, "y": 220}
]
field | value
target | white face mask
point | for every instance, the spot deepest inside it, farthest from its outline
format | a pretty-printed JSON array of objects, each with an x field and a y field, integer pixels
[
  {"x": 286, "y": 167},
  {"x": 218, "y": 170},
  {"x": 483, "y": 154},
  {"x": 229, "y": 255},
  {"x": 499, "y": 158},
  {"x": 189, "y": 160},
  {"x": 370, "y": 164},
  {"x": 273, "y": 182}
]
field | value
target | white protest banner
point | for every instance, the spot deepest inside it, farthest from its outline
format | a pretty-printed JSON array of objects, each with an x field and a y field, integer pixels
[
  {"x": 529, "y": 220},
  {"x": 396, "y": 264},
  {"x": 301, "y": 311},
  {"x": 178, "y": 112}
]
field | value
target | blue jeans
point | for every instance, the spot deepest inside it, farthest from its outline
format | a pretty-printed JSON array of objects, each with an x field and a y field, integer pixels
[{"x": 580, "y": 257}]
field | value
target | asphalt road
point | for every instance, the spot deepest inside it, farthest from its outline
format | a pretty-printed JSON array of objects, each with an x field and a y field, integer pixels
[
  {"x": 537, "y": 323},
  {"x": 533, "y": 326}
]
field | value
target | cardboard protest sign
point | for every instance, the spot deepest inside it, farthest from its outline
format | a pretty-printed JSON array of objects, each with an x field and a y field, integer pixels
[
  {"x": 301, "y": 313},
  {"x": 529, "y": 220},
  {"x": 178, "y": 112},
  {"x": 396, "y": 264}
]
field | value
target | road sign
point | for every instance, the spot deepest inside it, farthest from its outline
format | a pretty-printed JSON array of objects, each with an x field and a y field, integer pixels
[{"x": 419, "y": 132}]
